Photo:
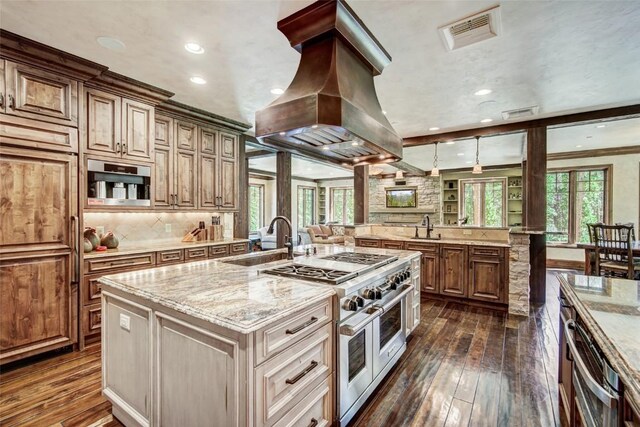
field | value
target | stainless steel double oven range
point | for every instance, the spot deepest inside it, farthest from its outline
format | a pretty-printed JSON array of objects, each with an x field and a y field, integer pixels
[{"x": 372, "y": 323}]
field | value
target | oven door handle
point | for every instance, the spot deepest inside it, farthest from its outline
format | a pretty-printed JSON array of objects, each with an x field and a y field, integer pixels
[
  {"x": 609, "y": 399},
  {"x": 389, "y": 304},
  {"x": 352, "y": 330}
]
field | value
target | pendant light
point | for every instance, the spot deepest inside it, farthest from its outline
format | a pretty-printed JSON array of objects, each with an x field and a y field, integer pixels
[
  {"x": 435, "y": 171},
  {"x": 477, "y": 169}
]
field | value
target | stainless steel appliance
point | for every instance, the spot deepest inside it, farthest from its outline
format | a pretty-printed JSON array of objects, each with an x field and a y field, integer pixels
[
  {"x": 596, "y": 384},
  {"x": 372, "y": 320},
  {"x": 113, "y": 184}
]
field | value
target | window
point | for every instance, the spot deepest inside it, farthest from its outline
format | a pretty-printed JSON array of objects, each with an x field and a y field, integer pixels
[
  {"x": 483, "y": 201},
  {"x": 342, "y": 205},
  {"x": 575, "y": 198},
  {"x": 306, "y": 206},
  {"x": 256, "y": 207}
]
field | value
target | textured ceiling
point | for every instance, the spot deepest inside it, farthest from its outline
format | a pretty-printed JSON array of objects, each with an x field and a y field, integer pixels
[
  {"x": 564, "y": 56},
  {"x": 302, "y": 168}
]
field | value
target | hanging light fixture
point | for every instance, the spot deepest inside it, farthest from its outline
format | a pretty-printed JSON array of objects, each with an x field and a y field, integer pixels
[
  {"x": 477, "y": 169},
  {"x": 435, "y": 171}
]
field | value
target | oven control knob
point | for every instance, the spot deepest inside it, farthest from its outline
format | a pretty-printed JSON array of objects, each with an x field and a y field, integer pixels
[
  {"x": 350, "y": 305},
  {"x": 398, "y": 278},
  {"x": 377, "y": 293},
  {"x": 407, "y": 275},
  {"x": 369, "y": 294},
  {"x": 358, "y": 300}
]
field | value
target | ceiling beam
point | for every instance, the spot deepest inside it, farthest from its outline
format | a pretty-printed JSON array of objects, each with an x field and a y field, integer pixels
[
  {"x": 508, "y": 128},
  {"x": 598, "y": 152},
  {"x": 259, "y": 153},
  {"x": 406, "y": 167}
]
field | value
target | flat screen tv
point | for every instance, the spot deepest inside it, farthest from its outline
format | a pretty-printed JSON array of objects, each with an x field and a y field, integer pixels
[{"x": 402, "y": 198}]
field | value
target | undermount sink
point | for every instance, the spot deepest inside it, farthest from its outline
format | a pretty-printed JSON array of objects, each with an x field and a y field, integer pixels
[
  {"x": 426, "y": 238},
  {"x": 260, "y": 259}
]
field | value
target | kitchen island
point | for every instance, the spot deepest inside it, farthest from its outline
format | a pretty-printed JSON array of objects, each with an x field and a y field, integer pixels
[{"x": 221, "y": 340}]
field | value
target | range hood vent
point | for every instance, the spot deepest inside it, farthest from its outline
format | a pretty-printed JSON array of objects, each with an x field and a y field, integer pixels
[
  {"x": 472, "y": 29},
  {"x": 520, "y": 112},
  {"x": 330, "y": 109}
]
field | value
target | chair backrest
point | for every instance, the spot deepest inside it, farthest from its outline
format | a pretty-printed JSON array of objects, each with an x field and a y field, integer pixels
[
  {"x": 613, "y": 242},
  {"x": 629, "y": 224},
  {"x": 591, "y": 232}
]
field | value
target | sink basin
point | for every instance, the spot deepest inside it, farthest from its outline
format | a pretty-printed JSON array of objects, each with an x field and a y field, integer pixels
[
  {"x": 425, "y": 238},
  {"x": 260, "y": 259}
]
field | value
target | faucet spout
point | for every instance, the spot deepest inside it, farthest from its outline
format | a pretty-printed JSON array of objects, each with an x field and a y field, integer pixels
[{"x": 287, "y": 243}]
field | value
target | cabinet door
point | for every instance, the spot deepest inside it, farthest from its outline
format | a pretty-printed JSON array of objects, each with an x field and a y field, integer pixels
[
  {"x": 429, "y": 272},
  {"x": 185, "y": 179},
  {"x": 207, "y": 181},
  {"x": 228, "y": 146},
  {"x": 137, "y": 130},
  {"x": 103, "y": 123},
  {"x": 453, "y": 270},
  {"x": 228, "y": 197},
  {"x": 485, "y": 279},
  {"x": 41, "y": 95},
  {"x": 186, "y": 135},
  {"x": 163, "y": 164},
  {"x": 208, "y": 141}
]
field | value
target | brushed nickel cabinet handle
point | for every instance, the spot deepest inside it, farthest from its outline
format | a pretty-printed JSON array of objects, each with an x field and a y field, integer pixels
[
  {"x": 301, "y": 327},
  {"x": 12, "y": 101},
  {"x": 1, "y": 100},
  {"x": 313, "y": 422},
  {"x": 124, "y": 148},
  {"x": 76, "y": 245},
  {"x": 298, "y": 377},
  {"x": 117, "y": 147},
  {"x": 114, "y": 263}
]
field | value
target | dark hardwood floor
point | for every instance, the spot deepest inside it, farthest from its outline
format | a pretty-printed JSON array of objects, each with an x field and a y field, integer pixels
[{"x": 464, "y": 366}]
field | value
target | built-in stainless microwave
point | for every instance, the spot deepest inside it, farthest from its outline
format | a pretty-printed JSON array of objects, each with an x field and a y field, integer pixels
[{"x": 114, "y": 184}]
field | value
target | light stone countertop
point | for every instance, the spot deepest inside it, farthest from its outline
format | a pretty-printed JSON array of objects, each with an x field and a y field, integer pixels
[
  {"x": 158, "y": 245},
  {"x": 446, "y": 241},
  {"x": 610, "y": 309},
  {"x": 232, "y": 296}
]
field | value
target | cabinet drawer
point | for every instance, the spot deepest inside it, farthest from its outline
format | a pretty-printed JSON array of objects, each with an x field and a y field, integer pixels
[
  {"x": 192, "y": 254},
  {"x": 91, "y": 292},
  {"x": 422, "y": 247},
  {"x": 218, "y": 251},
  {"x": 284, "y": 380},
  {"x": 276, "y": 337},
  {"x": 113, "y": 264},
  {"x": 238, "y": 248},
  {"x": 170, "y": 257},
  {"x": 485, "y": 251},
  {"x": 392, "y": 244},
  {"x": 368, "y": 243},
  {"x": 91, "y": 319},
  {"x": 316, "y": 409}
]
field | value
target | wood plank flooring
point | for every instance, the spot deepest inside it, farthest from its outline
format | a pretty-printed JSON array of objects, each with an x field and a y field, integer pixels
[{"x": 464, "y": 366}]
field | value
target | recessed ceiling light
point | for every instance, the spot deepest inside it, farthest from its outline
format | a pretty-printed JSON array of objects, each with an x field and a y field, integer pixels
[
  {"x": 486, "y": 120},
  {"x": 356, "y": 160},
  {"x": 434, "y": 128},
  {"x": 282, "y": 134},
  {"x": 326, "y": 147},
  {"x": 354, "y": 143},
  {"x": 111, "y": 43},
  {"x": 468, "y": 162},
  {"x": 578, "y": 146},
  {"x": 450, "y": 142},
  {"x": 193, "y": 47},
  {"x": 198, "y": 80},
  {"x": 601, "y": 126},
  {"x": 460, "y": 154},
  {"x": 384, "y": 112},
  {"x": 482, "y": 92},
  {"x": 277, "y": 91},
  {"x": 382, "y": 156}
]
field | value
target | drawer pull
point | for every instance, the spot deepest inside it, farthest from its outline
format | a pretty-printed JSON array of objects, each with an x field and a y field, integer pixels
[
  {"x": 171, "y": 257},
  {"x": 298, "y": 377},
  {"x": 301, "y": 327},
  {"x": 313, "y": 422},
  {"x": 114, "y": 264}
]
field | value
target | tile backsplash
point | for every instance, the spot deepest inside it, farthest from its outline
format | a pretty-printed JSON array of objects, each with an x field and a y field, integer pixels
[{"x": 134, "y": 227}]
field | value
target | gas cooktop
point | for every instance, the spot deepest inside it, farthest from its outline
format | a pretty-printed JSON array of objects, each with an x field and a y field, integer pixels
[
  {"x": 360, "y": 258},
  {"x": 318, "y": 274}
]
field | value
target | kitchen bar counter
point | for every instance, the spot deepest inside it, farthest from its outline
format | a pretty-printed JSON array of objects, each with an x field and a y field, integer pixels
[
  {"x": 611, "y": 310},
  {"x": 159, "y": 245},
  {"x": 445, "y": 241}
]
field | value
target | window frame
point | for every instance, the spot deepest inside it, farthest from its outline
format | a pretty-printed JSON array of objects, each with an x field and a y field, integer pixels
[
  {"x": 573, "y": 192},
  {"x": 461, "y": 198},
  {"x": 313, "y": 207},
  {"x": 344, "y": 203},
  {"x": 261, "y": 207}
]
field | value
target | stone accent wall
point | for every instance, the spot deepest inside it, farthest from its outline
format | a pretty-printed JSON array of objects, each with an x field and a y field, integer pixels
[
  {"x": 519, "y": 268},
  {"x": 428, "y": 200}
]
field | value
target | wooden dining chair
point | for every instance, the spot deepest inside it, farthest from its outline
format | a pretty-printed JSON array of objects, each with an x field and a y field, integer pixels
[{"x": 614, "y": 252}]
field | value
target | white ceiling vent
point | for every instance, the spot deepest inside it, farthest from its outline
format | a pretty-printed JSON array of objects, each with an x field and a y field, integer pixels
[
  {"x": 520, "y": 112},
  {"x": 472, "y": 29}
]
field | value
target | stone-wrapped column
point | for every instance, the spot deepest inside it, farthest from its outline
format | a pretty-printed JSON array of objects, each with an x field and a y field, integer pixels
[{"x": 519, "y": 271}]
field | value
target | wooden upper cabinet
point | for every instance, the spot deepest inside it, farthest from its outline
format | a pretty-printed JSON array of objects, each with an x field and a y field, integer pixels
[
  {"x": 163, "y": 135},
  {"x": 163, "y": 177},
  {"x": 103, "y": 122},
  {"x": 487, "y": 276},
  {"x": 185, "y": 179},
  {"x": 207, "y": 181},
  {"x": 453, "y": 270},
  {"x": 208, "y": 141},
  {"x": 228, "y": 146},
  {"x": 228, "y": 197},
  {"x": 37, "y": 94},
  {"x": 138, "y": 127},
  {"x": 186, "y": 135}
]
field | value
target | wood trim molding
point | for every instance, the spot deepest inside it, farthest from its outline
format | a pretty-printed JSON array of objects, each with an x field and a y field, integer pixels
[
  {"x": 258, "y": 174},
  {"x": 565, "y": 264},
  {"x": 507, "y": 128},
  {"x": 115, "y": 82},
  {"x": 406, "y": 167},
  {"x": 173, "y": 108},
  {"x": 259, "y": 153},
  {"x": 261, "y": 177},
  {"x": 600, "y": 152}
]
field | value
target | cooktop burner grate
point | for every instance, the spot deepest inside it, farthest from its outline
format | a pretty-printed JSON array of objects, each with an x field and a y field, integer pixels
[
  {"x": 311, "y": 273},
  {"x": 360, "y": 258}
]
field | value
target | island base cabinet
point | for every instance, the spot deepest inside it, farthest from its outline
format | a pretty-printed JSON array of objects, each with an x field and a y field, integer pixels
[
  {"x": 315, "y": 409},
  {"x": 453, "y": 270},
  {"x": 126, "y": 356}
]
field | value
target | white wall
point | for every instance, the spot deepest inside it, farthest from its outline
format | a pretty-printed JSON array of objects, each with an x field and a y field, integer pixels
[{"x": 625, "y": 197}]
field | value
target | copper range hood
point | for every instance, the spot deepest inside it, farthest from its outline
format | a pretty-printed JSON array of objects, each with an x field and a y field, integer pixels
[{"x": 331, "y": 109}]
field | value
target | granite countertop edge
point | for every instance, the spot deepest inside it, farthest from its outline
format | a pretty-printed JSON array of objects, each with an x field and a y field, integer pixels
[
  {"x": 446, "y": 241},
  {"x": 160, "y": 246},
  {"x": 628, "y": 375}
]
